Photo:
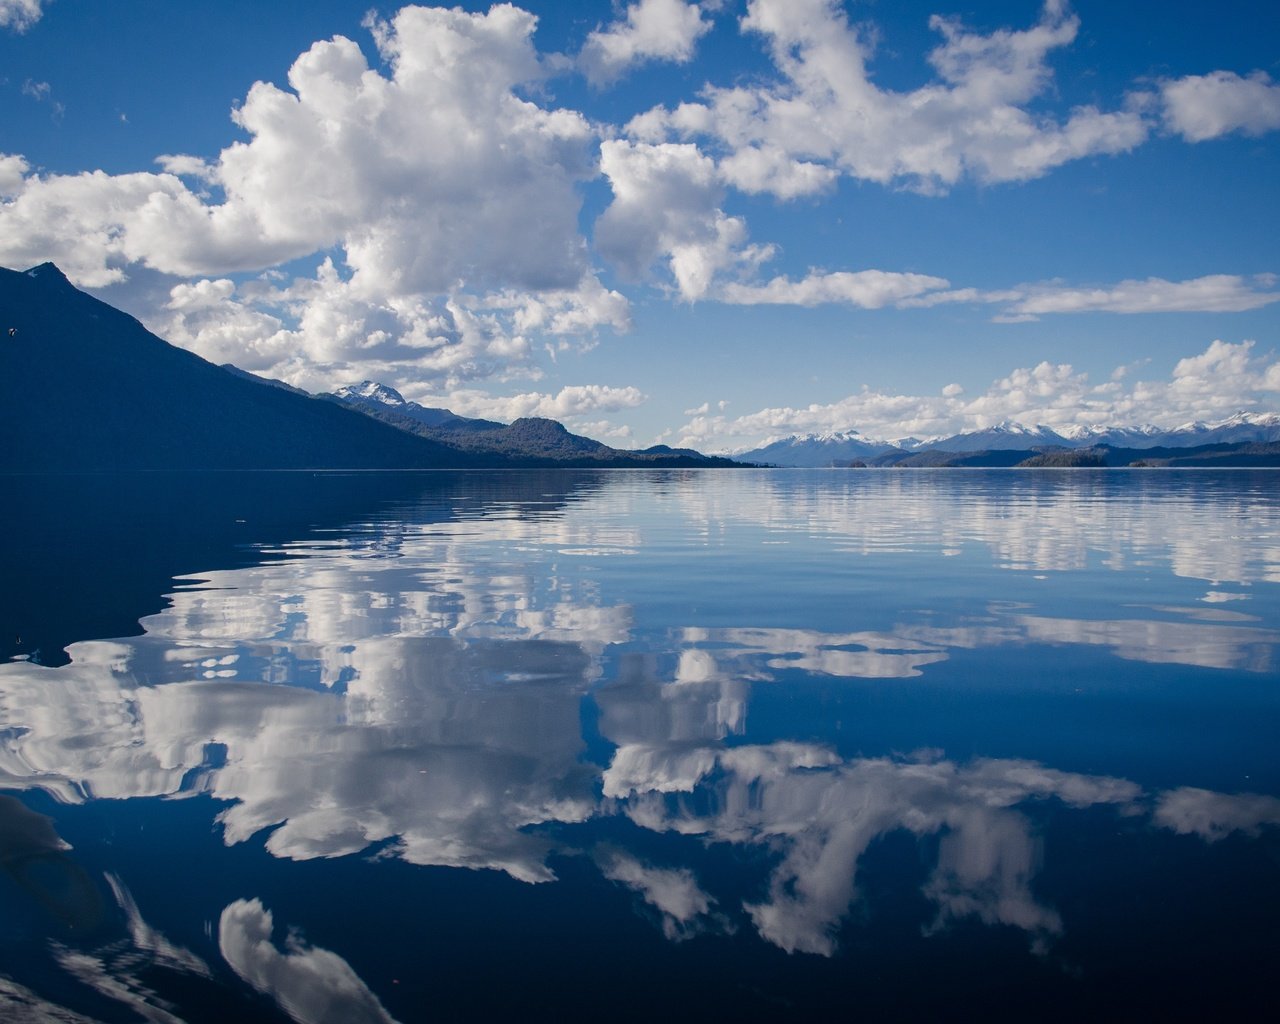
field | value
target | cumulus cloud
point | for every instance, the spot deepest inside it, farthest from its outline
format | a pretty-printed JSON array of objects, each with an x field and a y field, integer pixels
[
  {"x": 19, "y": 15},
  {"x": 1223, "y": 379},
  {"x": 825, "y": 117},
  {"x": 440, "y": 184},
  {"x": 651, "y": 30},
  {"x": 13, "y": 172},
  {"x": 312, "y": 985},
  {"x": 666, "y": 204},
  {"x": 571, "y": 401},
  {"x": 320, "y": 332},
  {"x": 1200, "y": 107}
]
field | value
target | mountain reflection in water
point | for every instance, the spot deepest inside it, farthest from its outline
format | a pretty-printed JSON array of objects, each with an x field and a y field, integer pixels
[{"x": 730, "y": 699}]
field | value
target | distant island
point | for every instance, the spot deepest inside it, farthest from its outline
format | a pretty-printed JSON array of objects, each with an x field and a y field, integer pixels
[{"x": 85, "y": 387}]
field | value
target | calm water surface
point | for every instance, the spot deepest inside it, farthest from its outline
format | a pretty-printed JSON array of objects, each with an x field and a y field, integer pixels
[{"x": 789, "y": 744}]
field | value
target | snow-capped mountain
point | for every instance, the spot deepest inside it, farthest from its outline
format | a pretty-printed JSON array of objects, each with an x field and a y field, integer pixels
[
  {"x": 1007, "y": 436},
  {"x": 1243, "y": 426},
  {"x": 815, "y": 450},
  {"x": 371, "y": 394}
]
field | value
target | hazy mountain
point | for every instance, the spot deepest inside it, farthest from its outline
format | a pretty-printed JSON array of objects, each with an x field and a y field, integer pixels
[
  {"x": 1241, "y": 428},
  {"x": 1005, "y": 436},
  {"x": 842, "y": 448},
  {"x": 817, "y": 450},
  {"x": 1239, "y": 454}
]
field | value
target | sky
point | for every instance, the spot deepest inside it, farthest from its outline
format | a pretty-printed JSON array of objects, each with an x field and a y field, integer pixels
[{"x": 710, "y": 224}]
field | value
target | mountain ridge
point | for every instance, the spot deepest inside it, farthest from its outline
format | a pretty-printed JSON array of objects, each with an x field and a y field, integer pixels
[
  {"x": 85, "y": 387},
  {"x": 818, "y": 450}
]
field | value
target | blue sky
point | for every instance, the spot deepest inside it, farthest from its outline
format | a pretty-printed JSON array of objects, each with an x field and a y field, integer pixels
[{"x": 710, "y": 223}]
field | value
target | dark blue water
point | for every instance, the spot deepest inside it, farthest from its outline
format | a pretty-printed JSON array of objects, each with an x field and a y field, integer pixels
[{"x": 621, "y": 745}]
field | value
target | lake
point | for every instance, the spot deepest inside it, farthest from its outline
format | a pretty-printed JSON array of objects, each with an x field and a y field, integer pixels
[{"x": 636, "y": 745}]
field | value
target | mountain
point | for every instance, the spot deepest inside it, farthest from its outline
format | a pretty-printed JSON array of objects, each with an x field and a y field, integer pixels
[
  {"x": 818, "y": 450},
  {"x": 85, "y": 387},
  {"x": 1005, "y": 436},
  {"x": 270, "y": 382},
  {"x": 372, "y": 397},
  {"x": 842, "y": 448},
  {"x": 1243, "y": 427},
  {"x": 1222, "y": 455},
  {"x": 544, "y": 441}
]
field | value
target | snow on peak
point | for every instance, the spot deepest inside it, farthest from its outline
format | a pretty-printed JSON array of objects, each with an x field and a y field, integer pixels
[{"x": 372, "y": 391}]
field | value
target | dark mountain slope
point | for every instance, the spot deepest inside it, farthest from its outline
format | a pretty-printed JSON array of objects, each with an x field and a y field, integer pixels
[{"x": 84, "y": 386}]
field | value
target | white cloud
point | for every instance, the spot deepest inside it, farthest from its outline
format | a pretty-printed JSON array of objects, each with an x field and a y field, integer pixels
[
  {"x": 667, "y": 205},
  {"x": 825, "y": 116},
  {"x": 204, "y": 317},
  {"x": 1223, "y": 379},
  {"x": 19, "y": 15},
  {"x": 440, "y": 184},
  {"x": 872, "y": 289},
  {"x": 651, "y": 30},
  {"x": 337, "y": 331},
  {"x": 86, "y": 222},
  {"x": 603, "y": 430},
  {"x": 13, "y": 172},
  {"x": 867, "y": 289},
  {"x": 1215, "y": 293},
  {"x": 1201, "y": 107},
  {"x": 312, "y": 985},
  {"x": 570, "y": 401}
]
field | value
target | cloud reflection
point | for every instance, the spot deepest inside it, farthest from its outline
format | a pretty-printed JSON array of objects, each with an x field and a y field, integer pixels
[
  {"x": 1041, "y": 522},
  {"x": 683, "y": 907},
  {"x": 312, "y": 985},
  {"x": 824, "y": 812},
  {"x": 438, "y": 693},
  {"x": 1213, "y": 816}
]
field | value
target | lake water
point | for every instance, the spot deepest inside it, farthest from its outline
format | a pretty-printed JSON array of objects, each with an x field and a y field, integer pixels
[{"x": 636, "y": 745}]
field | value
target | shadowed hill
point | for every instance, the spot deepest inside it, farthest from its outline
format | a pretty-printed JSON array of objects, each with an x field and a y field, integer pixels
[
  {"x": 530, "y": 441},
  {"x": 84, "y": 386}
]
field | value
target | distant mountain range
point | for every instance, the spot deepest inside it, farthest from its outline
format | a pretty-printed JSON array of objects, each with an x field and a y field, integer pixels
[
  {"x": 85, "y": 387},
  {"x": 816, "y": 450}
]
